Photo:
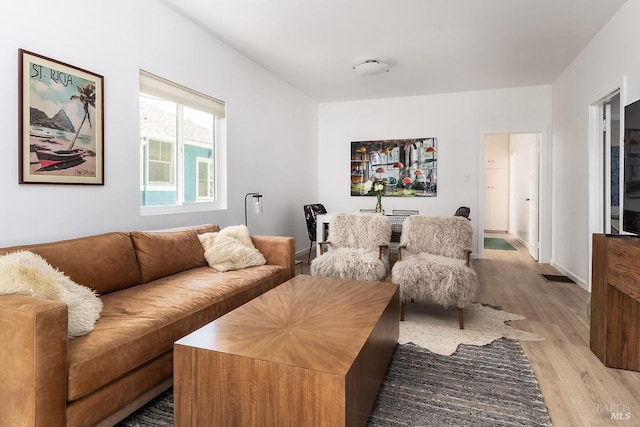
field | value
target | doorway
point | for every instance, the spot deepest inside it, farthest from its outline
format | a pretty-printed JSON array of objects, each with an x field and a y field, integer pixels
[
  {"x": 611, "y": 166},
  {"x": 605, "y": 204},
  {"x": 511, "y": 187}
]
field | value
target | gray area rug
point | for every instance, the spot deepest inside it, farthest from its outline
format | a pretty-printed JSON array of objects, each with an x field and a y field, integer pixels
[
  {"x": 491, "y": 385},
  {"x": 476, "y": 386}
]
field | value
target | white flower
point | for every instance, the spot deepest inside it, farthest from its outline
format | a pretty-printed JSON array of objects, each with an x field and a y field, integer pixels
[
  {"x": 367, "y": 186},
  {"x": 379, "y": 187}
]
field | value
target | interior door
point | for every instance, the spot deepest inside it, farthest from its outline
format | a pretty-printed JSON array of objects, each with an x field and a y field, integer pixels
[
  {"x": 534, "y": 161},
  {"x": 607, "y": 167}
]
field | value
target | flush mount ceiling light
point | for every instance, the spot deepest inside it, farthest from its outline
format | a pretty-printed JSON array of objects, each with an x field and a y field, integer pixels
[{"x": 371, "y": 67}]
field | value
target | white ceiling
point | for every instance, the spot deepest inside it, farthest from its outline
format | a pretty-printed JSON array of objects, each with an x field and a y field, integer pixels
[{"x": 433, "y": 46}]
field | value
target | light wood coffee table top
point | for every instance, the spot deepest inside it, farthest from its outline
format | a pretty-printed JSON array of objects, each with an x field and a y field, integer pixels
[{"x": 323, "y": 342}]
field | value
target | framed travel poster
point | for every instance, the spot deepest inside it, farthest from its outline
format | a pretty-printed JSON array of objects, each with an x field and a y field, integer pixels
[{"x": 61, "y": 122}]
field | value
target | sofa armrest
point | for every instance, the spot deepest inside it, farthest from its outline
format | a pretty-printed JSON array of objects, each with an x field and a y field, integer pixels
[
  {"x": 33, "y": 361},
  {"x": 277, "y": 250}
]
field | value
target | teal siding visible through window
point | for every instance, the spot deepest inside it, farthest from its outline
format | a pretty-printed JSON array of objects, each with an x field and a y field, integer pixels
[
  {"x": 178, "y": 129},
  {"x": 191, "y": 155}
]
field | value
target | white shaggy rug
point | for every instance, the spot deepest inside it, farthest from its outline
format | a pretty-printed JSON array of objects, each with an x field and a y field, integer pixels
[{"x": 436, "y": 329}]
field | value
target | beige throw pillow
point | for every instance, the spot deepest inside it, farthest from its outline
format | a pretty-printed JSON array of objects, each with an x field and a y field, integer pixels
[
  {"x": 27, "y": 273},
  {"x": 230, "y": 249}
]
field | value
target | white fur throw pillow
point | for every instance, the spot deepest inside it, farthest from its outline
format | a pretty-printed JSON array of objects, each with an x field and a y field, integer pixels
[
  {"x": 230, "y": 249},
  {"x": 26, "y": 273}
]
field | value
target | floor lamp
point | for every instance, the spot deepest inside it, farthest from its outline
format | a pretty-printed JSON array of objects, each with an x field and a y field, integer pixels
[{"x": 257, "y": 205}]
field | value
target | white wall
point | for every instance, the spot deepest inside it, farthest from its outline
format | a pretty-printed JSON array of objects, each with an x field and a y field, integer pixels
[
  {"x": 458, "y": 120},
  {"x": 272, "y": 128},
  {"x": 596, "y": 72}
]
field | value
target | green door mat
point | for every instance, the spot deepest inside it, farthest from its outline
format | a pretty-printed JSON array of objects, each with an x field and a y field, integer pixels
[{"x": 497, "y": 243}]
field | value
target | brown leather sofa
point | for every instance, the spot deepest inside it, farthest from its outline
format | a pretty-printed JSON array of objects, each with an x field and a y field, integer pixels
[{"x": 156, "y": 288}]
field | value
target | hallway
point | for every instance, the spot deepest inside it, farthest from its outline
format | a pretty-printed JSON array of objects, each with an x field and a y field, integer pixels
[{"x": 577, "y": 388}]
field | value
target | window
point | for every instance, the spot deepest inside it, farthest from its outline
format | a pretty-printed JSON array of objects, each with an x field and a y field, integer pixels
[
  {"x": 181, "y": 148},
  {"x": 205, "y": 179},
  {"x": 160, "y": 162}
]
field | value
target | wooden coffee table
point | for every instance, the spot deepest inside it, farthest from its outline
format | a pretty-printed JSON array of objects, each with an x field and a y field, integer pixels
[{"x": 311, "y": 352}]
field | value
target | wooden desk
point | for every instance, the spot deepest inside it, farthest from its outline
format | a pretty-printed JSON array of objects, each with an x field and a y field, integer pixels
[
  {"x": 310, "y": 352},
  {"x": 396, "y": 226}
]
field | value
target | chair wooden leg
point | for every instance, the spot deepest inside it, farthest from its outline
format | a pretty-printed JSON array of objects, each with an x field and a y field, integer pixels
[
  {"x": 309, "y": 256},
  {"x": 403, "y": 307},
  {"x": 460, "y": 318}
]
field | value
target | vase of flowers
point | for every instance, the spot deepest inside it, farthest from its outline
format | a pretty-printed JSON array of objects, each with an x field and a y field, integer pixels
[
  {"x": 376, "y": 187},
  {"x": 379, "y": 203}
]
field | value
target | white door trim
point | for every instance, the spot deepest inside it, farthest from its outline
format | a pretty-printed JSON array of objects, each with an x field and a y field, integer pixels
[
  {"x": 596, "y": 165},
  {"x": 544, "y": 199}
]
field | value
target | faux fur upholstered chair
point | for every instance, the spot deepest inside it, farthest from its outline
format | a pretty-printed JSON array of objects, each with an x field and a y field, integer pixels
[
  {"x": 357, "y": 248},
  {"x": 434, "y": 262}
]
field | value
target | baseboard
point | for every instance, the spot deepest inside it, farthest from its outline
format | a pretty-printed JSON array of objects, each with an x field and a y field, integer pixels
[
  {"x": 579, "y": 281},
  {"x": 303, "y": 252},
  {"x": 522, "y": 242}
]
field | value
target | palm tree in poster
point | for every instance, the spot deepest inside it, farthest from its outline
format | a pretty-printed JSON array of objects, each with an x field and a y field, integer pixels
[{"x": 86, "y": 95}]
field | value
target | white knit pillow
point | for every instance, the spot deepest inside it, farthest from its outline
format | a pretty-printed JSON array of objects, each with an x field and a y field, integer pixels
[
  {"x": 230, "y": 249},
  {"x": 26, "y": 273}
]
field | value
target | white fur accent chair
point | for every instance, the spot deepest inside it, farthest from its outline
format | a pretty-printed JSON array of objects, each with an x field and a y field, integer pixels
[
  {"x": 434, "y": 262},
  {"x": 357, "y": 248}
]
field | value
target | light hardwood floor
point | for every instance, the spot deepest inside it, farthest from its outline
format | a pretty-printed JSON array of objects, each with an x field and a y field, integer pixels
[{"x": 577, "y": 388}]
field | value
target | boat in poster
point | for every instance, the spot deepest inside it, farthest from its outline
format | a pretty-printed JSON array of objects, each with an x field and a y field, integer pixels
[{"x": 59, "y": 159}]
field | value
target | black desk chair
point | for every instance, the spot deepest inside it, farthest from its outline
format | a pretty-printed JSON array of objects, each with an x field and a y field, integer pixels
[
  {"x": 311, "y": 213},
  {"x": 463, "y": 211}
]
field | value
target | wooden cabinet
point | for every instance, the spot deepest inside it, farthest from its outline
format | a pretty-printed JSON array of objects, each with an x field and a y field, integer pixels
[
  {"x": 496, "y": 151},
  {"x": 496, "y": 182},
  {"x": 496, "y": 199},
  {"x": 615, "y": 301}
]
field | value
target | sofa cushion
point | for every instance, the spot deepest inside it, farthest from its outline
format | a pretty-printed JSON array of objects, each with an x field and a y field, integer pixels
[
  {"x": 26, "y": 273},
  {"x": 117, "y": 269},
  {"x": 228, "y": 254},
  {"x": 230, "y": 249},
  {"x": 163, "y": 253},
  {"x": 141, "y": 323}
]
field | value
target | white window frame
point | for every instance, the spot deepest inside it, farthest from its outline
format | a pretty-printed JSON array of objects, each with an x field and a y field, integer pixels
[
  {"x": 156, "y": 185},
  {"x": 210, "y": 177},
  {"x": 153, "y": 85}
]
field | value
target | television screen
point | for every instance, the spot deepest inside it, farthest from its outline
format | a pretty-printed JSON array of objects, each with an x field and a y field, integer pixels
[{"x": 631, "y": 202}]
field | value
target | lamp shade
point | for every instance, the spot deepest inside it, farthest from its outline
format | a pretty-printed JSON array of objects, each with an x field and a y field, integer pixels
[
  {"x": 371, "y": 67},
  {"x": 257, "y": 204}
]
